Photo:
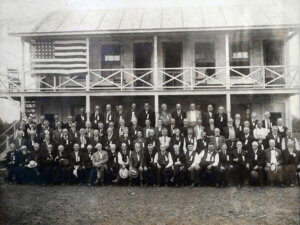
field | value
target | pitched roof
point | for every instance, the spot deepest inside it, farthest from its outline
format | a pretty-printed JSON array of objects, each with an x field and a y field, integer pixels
[{"x": 166, "y": 19}]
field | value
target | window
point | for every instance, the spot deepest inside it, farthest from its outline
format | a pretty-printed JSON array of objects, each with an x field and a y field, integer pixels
[
  {"x": 110, "y": 56},
  {"x": 240, "y": 56},
  {"x": 205, "y": 56}
]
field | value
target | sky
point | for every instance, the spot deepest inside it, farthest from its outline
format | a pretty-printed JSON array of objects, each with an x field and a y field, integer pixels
[{"x": 21, "y": 15}]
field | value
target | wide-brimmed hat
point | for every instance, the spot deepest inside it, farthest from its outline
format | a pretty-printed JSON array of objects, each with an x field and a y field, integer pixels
[
  {"x": 133, "y": 173},
  {"x": 32, "y": 164},
  {"x": 123, "y": 173},
  {"x": 254, "y": 174}
]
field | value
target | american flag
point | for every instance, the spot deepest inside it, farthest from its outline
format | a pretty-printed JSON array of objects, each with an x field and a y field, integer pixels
[{"x": 59, "y": 56}]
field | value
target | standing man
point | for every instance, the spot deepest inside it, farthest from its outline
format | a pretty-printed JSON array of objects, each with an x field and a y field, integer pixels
[
  {"x": 96, "y": 117},
  {"x": 193, "y": 115},
  {"x": 221, "y": 118},
  {"x": 145, "y": 114},
  {"x": 208, "y": 115},
  {"x": 179, "y": 116},
  {"x": 81, "y": 119}
]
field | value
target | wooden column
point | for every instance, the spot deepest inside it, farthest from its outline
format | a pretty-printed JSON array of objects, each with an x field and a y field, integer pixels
[
  {"x": 88, "y": 106},
  {"x": 23, "y": 66},
  {"x": 155, "y": 63},
  {"x": 88, "y": 76},
  {"x": 228, "y": 105},
  {"x": 227, "y": 61},
  {"x": 156, "y": 107},
  {"x": 23, "y": 108}
]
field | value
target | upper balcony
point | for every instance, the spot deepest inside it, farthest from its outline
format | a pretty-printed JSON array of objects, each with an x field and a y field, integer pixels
[{"x": 159, "y": 79}]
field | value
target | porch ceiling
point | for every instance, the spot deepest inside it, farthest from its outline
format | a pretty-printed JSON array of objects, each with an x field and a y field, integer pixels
[{"x": 166, "y": 19}]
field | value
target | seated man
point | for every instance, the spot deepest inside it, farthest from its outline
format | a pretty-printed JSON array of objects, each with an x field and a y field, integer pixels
[
  {"x": 99, "y": 159},
  {"x": 88, "y": 165},
  {"x": 208, "y": 160},
  {"x": 21, "y": 160},
  {"x": 239, "y": 161},
  {"x": 273, "y": 161},
  {"x": 179, "y": 166},
  {"x": 192, "y": 165},
  {"x": 256, "y": 164},
  {"x": 76, "y": 167},
  {"x": 10, "y": 162},
  {"x": 46, "y": 159},
  {"x": 164, "y": 162},
  {"x": 123, "y": 161},
  {"x": 136, "y": 160},
  {"x": 291, "y": 159},
  {"x": 225, "y": 166},
  {"x": 149, "y": 155},
  {"x": 60, "y": 168},
  {"x": 112, "y": 165},
  {"x": 33, "y": 165}
]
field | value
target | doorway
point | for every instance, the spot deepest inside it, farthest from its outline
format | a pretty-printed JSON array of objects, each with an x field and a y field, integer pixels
[
  {"x": 172, "y": 59},
  {"x": 273, "y": 56},
  {"x": 142, "y": 59}
]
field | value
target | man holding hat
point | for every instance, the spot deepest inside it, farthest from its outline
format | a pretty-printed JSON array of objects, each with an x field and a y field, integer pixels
[
  {"x": 123, "y": 161},
  {"x": 136, "y": 161},
  {"x": 76, "y": 167},
  {"x": 256, "y": 164},
  {"x": 60, "y": 168}
]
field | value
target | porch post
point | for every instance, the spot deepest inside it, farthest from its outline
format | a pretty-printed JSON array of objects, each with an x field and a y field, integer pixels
[
  {"x": 88, "y": 76},
  {"x": 228, "y": 105},
  {"x": 155, "y": 63},
  {"x": 156, "y": 107},
  {"x": 227, "y": 61},
  {"x": 23, "y": 66},
  {"x": 23, "y": 110},
  {"x": 88, "y": 106}
]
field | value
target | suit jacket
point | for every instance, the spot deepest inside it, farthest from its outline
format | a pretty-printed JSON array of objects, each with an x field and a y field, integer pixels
[
  {"x": 253, "y": 124},
  {"x": 256, "y": 159},
  {"x": 43, "y": 133},
  {"x": 83, "y": 143},
  {"x": 264, "y": 125},
  {"x": 226, "y": 132},
  {"x": 145, "y": 131},
  {"x": 109, "y": 117},
  {"x": 221, "y": 121},
  {"x": 72, "y": 159},
  {"x": 282, "y": 131},
  {"x": 225, "y": 159},
  {"x": 247, "y": 142},
  {"x": 137, "y": 159},
  {"x": 106, "y": 141},
  {"x": 80, "y": 121},
  {"x": 30, "y": 142},
  {"x": 277, "y": 140},
  {"x": 67, "y": 143},
  {"x": 230, "y": 145},
  {"x": 177, "y": 141},
  {"x": 133, "y": 131},
  {"x": 178, "y": 118},
  {"x": 143, "y": 116},
  {"x": 206, "y": 116},
  {"x": 126, "y": 140},
  {"x": 218, "y": 144},
  {"x": 202, "y": 144},
  {"x": 240, "y": 158},
  {"x": 291, "y": 159},
  {"x": 56, "y": 135},
  {"x": 19, "y": 142},
  {"x": 158, "y": 132},
  {"x": 95, "y": 140},
  {"x": 197, "y": 133},
  {"x": 95, "y": 119}
]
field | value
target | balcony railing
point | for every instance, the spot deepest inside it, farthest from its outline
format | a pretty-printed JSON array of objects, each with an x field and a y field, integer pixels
[{"x": 186, "y": 78}]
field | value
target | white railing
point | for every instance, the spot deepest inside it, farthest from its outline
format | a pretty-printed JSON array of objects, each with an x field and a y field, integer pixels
[{"x": 167, "y": 78}]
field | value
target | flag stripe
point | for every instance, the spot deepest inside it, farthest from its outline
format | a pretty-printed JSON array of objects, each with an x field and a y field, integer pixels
[{"x": 59, "y": 56}]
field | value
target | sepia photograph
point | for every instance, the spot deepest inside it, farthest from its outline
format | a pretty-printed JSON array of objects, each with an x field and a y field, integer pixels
[{"x": 150, "y": 112}]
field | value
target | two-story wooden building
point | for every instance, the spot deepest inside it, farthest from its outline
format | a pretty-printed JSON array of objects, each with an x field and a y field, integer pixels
[{"x": 220, "y": 55}]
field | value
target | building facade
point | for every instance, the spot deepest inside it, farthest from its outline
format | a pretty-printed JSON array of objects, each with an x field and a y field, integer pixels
[{"x": 211, "y": 55}]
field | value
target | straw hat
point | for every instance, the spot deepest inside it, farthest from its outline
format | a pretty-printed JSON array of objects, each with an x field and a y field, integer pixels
[{"x": 123, "y": 173}]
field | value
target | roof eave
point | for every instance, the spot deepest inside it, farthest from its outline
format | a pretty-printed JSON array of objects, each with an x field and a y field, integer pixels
[{"x": 162, "y": 30}]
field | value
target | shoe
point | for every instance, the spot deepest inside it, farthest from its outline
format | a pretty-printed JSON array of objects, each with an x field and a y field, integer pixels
[
  {"x": 193, "y": 185},
  {"x": 292, "y": 185},
  {"x": 176, "y": 185},
  {"x": 281, "y": 185},
  {"x": 115, "y": 180},
  {"x": 89, "y": 185}
]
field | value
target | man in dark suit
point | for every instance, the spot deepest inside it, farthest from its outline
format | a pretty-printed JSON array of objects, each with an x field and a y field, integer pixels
[
  {"x": 147, "y": 128},
  {"x": 267, "y": 123},
  {"x": 179, "y": 166},
  {"x": 96, "y": 117},
  {"x": 95, "y": 139},
  {"x": 46, "y": 160},
  {"x": 221, "y": 118},
  {"x": 202, "y": 143},
  {"x": 109, "y": 139},
  {"x": 46, "y": 130},
  {"x": 20, "y": 140},
  {"x": 67, "y": 141},
  {"x": 108, "y": 116},
  {"x": 60, "y": 168},
  {"x": 40, "y": 125},
  {"x": 179, "y": 116},
  {"x": 275, "y": 136},
  {"x": 239, "y": 162},
  {"x": 146, "y": 113},
  {"x": 82, "y": 140},
  {"x": 132, "y": 114},
  {"x": 246, "y": 138},
  {"x": 121, "y": 115},
  {"x": 281, "y": 128},
  {"x": 253, "y": 121},
  {"x": 230, "y": 131},
  {"x": 177, "y": 139},
  {"x": 256, "y": 164},
  {"x": 10, "y": 162},
  {"x": 68, "y": 124},
  {"x": 76, "y": 167},
  {"x": 225, "y": 167},
  {"x": 208, "y": 115},
  {"x": 134, "y": 129},
  {"x": 81, "y": 119}
]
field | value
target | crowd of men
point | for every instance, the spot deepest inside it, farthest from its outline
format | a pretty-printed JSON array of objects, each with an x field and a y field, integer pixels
[{"x": 134, "y": 148}]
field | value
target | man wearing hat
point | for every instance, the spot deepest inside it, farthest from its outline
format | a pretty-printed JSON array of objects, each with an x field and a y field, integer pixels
[
  {"x": 99, "y": 159},
  {"x": 123, "y": 161},
  {"x": 137, "y": 161},
  {"x": 164, "y": 162},
  {"x": 192, "y": 166},
  {"x": 208, "y": 160},
  {"x": 179, "y": 166},
  {"x": 76, "y": 167},
  {"x": 60, "y": 168}
]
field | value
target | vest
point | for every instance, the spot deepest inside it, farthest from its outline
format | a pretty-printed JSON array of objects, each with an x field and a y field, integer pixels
[
  {"x": 163, "y": 160},
  {"x": 190, "y": 157}
]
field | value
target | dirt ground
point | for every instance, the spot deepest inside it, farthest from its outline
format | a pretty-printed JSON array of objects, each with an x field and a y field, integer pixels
[{"x": 149, "y": 205}]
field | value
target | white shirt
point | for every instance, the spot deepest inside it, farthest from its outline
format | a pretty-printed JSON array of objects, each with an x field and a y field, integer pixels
[
  {"x": 193, "y": 116},
  {"x": 120, "y": 159},
  {"x": 273, "y": 156},
  {"x": 260, "y": 132}
]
